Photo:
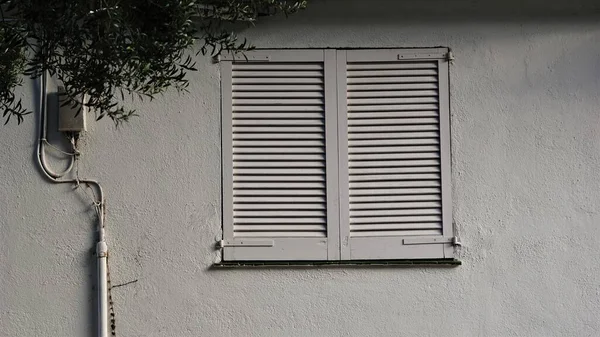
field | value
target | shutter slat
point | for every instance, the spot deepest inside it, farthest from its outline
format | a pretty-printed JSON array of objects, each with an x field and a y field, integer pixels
[
  {"x": 271, "y": 177},
  {"x": 278, "y": 157},
  {"x": 281, "y": 220},
  {"x": 400, "y": 226},
  {"x": 242, "y": 136},
  {"x": 392, "y": 170},
  {"x": 397, "y": 79},
  {"x": 395, "y": 135},
  {"x": 275, "y": 80},
  {"x": 394, "y": 205},
  {"x": 282, "y": 88},
  {"x": 358, "y": 200},
  {"x": 279, "y": 129},
  {"x": 278, "y": 143},
  {"x": 261, "y": 101},
  {"x": 391, "y": 121},
  {"x": 278, "y": 193},
  {"x": 393, "y": 184},
  {"x": 392, "y": 100},
  {"x": 392, "y": 107},
  {"x": 274, "y": 73},
  {"x": 390, "y": 192},
  {"x": 277, "y": 108},
  {"x": 393, "y": 142},
  {"x": 395, "y": 219},
  {"x": 278, "y": 164},
  {"x": 391, "y": 86},
  {"x": 392, "y": 94},
  {"x": 391, "y": 73},
  {"x": 278, "y": 185},
  {"x": 275, "y": 94},
  {"x": 396, "y": 232},
  {"x": 278, "y": 213},
  {"x": 394, "y": 128},
  {"x": 391, "y": 65},
  {"x": 280, "y": 171},
  {"x": 278, "y": 150},
  {"x": 393, "y": 149},
  {"x": 283, "y": 234},
  {"x": 393, "y": 163},
  {"x": 279, "y": 199},
  {"x": 259, "y": 116},
  {"x": 357, "y": 214},
  {"x": 274, "y": 228},
  {"x": 276, "y": 66},
  {"x": 294, "y": 206},
  {"x": 392, "y": 156},
  {"x": 278, "y": 122},
  {"x": 392, "y": 114},
  {"x": 397, "y": 177}
]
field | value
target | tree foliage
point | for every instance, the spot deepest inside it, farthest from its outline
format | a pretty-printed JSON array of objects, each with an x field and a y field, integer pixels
[
  {"x": 12, "y": 62},
  {"x": 111, "y": 49}
]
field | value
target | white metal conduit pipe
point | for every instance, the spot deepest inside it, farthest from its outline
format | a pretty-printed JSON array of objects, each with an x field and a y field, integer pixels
[{"x": 101, "y": 246}]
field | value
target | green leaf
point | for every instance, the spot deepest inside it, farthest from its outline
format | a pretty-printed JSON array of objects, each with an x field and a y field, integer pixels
[{"x": 138, "y": 49}]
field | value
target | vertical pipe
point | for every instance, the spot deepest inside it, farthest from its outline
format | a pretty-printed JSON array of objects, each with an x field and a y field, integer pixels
[{"x": 102, "y": 250}]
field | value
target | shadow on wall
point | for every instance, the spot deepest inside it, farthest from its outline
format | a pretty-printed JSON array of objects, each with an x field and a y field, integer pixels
[{"x": 351, "y": 11}]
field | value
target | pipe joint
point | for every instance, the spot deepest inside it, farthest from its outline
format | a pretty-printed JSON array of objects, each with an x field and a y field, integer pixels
[{"x": 102, "y": 249}]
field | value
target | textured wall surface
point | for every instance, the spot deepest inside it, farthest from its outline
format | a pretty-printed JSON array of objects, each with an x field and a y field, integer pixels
[{"x": 526, "y": 187}]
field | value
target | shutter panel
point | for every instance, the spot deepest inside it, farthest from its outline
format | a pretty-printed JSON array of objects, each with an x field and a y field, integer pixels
[
  {"x": 275, "y": 158},
  {"x": 396, "y": 117}
]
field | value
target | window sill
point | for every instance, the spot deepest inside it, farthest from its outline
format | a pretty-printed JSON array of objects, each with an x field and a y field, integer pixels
[{"x": 318, "y": 264}]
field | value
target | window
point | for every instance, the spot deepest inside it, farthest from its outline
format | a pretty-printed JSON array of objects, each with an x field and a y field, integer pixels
[{"x": 336, "y": 155}]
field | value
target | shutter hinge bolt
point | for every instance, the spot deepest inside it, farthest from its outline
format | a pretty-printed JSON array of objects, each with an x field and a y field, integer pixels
[
  {"x": 450, "y": 56},
  {"x": 455, "y": 242}
]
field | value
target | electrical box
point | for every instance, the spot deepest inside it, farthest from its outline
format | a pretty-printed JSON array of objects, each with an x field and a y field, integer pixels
[{"x": 70, "y": 119}]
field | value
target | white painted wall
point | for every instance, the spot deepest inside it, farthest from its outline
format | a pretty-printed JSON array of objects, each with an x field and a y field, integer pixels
[{"x": 526, "y": 157}]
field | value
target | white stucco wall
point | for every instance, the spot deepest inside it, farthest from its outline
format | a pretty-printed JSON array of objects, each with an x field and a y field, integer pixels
[{"x": 526, "y": 157}]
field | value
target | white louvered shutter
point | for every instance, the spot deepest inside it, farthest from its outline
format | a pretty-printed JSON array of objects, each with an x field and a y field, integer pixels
[
  {"x": 394, "y": 137},
  {"x": 279, "y": 165}
]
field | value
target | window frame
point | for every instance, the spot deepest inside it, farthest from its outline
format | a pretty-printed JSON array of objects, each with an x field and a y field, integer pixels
[{"x": 338, "y": 245}]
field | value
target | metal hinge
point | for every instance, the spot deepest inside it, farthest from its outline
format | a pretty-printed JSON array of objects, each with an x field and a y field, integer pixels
[
  {"x": 408, "y": 56},
  {"x": 245, "y": 243},
  {"x": 450, "y": 56},
  {"x": 255, "y": 58},
  {"x": 432, "y": 241}
]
